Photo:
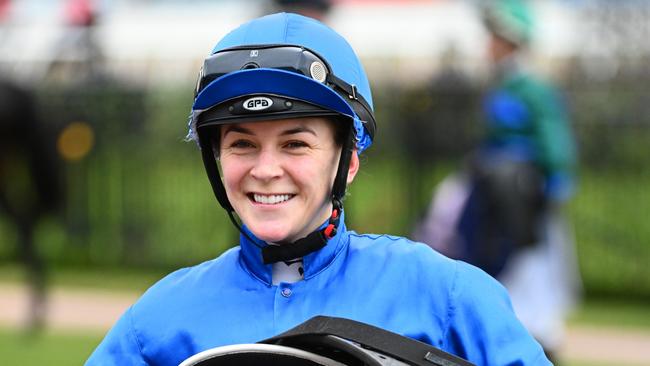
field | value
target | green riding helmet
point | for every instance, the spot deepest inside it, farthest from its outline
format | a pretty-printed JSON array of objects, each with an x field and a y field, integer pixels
[{"x": 511, "y": 20}]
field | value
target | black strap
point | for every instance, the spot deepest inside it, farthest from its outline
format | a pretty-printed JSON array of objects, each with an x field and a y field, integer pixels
[
  {"x": 341, "y": 179},
  {"x": 359, "y": 103},
  {"x": 397, "y": 346},
  {"x": 298, "y": 249},
  {"x": 212, "y": 170}
]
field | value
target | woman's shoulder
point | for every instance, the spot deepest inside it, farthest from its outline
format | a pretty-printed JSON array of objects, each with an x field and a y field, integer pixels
[
  {"x": 399, "y": 251},
  {"x": 188, "y": 279},
  {"x": 419, "y": 258},
  {"x": 226, "y": 258},
  {"x": 395, "y": 245}
]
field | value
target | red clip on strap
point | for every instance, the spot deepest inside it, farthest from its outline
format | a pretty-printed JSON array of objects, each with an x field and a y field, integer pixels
[{"x": 330, "y": 231}]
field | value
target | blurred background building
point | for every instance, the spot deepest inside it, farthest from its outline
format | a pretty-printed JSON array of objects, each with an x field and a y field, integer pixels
[{"x": 113, "y": 81}]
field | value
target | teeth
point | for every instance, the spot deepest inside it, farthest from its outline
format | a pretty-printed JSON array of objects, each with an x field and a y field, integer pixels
[{"x": 272, "y": 199}]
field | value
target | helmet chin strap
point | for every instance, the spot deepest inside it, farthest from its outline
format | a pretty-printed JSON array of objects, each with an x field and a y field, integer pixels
[{"x": 317, "y": 239}]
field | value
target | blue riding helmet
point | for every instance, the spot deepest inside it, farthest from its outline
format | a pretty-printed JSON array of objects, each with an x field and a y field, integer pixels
[{"x": 285, "y": 55}]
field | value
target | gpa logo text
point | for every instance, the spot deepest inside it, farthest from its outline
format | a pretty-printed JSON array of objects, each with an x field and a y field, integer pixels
[{"x": 257, "y": 103}]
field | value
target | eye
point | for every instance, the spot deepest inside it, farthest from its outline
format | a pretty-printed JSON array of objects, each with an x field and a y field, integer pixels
[
  {"x": 241, "y": 144},
  {"x": 296, "y": 144}
]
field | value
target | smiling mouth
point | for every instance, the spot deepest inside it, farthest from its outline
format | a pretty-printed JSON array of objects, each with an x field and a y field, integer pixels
[{"x": 270, "y": 199}]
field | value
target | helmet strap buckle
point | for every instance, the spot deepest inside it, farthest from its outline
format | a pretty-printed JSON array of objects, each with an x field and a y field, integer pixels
[{"x": 354, "y": 93}]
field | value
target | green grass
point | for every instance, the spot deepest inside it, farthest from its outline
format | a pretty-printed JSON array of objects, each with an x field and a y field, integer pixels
[
  {"x": 610, "y": 217},
  {"x": 613, "y": 313},
  {"x": 117, "y": 279},
  {"x": 49, "y": 348}
]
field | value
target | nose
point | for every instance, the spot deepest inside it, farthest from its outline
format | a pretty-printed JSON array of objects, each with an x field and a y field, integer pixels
[{"x": 267, "y": 166}]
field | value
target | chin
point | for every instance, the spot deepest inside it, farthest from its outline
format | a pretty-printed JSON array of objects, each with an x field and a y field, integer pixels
[{"x": 270, "y": 236}]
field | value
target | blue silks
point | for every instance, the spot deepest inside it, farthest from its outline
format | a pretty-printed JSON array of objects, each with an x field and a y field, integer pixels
[{"x": 386, "y": 281}]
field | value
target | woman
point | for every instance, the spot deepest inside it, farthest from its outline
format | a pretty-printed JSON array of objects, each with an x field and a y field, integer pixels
[{"x": 284, "y": 105}]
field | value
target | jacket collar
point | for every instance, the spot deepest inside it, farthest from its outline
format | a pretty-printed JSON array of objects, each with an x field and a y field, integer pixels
[{"x": 313, "y": 263}]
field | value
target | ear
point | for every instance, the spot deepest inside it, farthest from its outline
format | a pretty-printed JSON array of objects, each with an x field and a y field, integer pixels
[{"x": 354, "y": 166}]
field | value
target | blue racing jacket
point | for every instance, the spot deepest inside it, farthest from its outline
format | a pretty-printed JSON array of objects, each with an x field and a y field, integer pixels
[{"x": 385, "y": 281}]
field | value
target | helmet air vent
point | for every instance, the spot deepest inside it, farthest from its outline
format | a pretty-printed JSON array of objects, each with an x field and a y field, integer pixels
[{"x": 318, "y": 71}]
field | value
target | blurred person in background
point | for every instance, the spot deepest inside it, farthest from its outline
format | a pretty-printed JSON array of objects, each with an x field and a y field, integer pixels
[
  {"x": 77, "y": 57},
  {"x": 503, "y": 213},
  {"x": 30, "y": 185},
  {"x": 283, "y": 107}
]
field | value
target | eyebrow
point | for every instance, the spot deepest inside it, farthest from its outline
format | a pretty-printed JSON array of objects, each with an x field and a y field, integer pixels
[
  {"x": 291, "y": 131},
  {"x": 298, "y": 129},
  {"x": 236, "y": 128}
]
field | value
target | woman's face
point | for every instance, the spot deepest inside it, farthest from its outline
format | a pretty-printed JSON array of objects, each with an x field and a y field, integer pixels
[
  {"x": 279, "y": 174},
  {"x": 499, "y": 48}
]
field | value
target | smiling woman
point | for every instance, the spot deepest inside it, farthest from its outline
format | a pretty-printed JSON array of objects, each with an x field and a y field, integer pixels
[{"x": 284, "y": 106}]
